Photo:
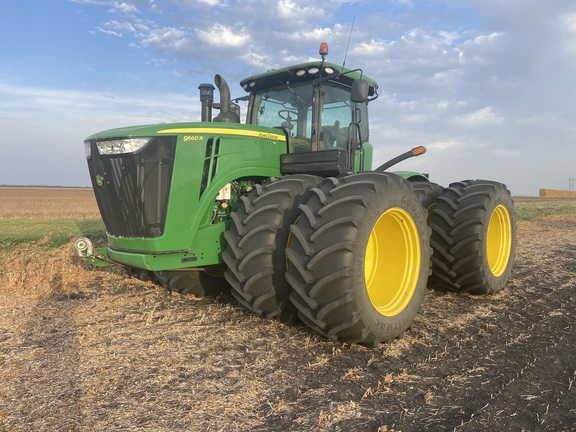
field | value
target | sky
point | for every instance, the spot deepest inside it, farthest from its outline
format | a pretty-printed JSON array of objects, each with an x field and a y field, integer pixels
[{"x": 489, "y": 87}]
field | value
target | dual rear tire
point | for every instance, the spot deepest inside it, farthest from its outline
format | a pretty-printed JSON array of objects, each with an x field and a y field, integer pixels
[{"x": 473, "y": 237}]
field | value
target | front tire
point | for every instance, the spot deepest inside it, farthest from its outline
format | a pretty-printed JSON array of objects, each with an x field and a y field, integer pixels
[
  {"x": 473, "y": 237},
  {"x": 359, "y": 258},
  {"x": 256, "y": 243}
]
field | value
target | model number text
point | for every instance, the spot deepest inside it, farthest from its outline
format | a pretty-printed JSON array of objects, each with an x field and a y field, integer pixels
[{"x": 193, "y": 138}]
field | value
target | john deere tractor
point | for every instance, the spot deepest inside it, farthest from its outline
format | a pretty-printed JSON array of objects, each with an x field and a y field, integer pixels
[{"x": 286, "y": 211}]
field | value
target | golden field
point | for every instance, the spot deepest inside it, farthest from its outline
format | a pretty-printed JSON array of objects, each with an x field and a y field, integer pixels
[
  {"x": 47, "y": 203},
  {"x": 85, "y": 348}
]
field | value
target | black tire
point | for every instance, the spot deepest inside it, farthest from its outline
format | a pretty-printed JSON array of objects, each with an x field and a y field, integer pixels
[
  {"x": 354, "y": 279},
  {"x": 473, "y": 237},
  {"x": 182, "y": 282},
  {"x": 428, "y": 194},
  {"x": 256, "y": 243},
  {"x": 142, "y": 274},
  {"x": 213, "y": 281},
  {"x": 200, "y": 283}
]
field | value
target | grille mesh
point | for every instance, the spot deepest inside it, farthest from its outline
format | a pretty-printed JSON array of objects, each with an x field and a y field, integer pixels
[{"x": 135, "y": 188}]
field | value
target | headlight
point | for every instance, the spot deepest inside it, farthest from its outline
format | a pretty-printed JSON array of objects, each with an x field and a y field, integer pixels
[
  {"x": 121, "y": 146},
  {"x": 88, "y": 149}
]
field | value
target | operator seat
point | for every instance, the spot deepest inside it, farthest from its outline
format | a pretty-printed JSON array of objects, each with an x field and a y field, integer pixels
[
  {"x": 342, "y": 138},
  {"x": 329, "y": 135}
]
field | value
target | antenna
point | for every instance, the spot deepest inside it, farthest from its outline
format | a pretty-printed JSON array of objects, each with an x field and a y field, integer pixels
[{"x": 349, "y": 38}]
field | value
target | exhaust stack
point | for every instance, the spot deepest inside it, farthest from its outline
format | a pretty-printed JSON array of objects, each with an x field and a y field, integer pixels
[{"x": 227, "y": 114}]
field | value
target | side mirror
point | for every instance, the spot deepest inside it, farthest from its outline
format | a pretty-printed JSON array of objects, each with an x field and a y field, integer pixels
[{"x": 360, "y": 88}]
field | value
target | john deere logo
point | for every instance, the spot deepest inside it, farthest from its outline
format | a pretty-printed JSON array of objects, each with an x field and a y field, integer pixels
[{"x": 100, "y": 180}]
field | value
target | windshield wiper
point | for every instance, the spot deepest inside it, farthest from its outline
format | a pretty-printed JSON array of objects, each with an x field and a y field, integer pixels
[{"x": 293, "y": 92}]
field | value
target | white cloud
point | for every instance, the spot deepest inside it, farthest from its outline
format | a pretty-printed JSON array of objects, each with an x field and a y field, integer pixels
[
  {"x": 568, "y": 22},
  {"x": 449, "y": 37},
  {"x": 444, "y": 145},
  {"x": 257, "y": 60},
  {"x": 568, "y": 26},
  {"x": 484, "y": 116},
  {"x": 293, "y": 10},
  {"x": 157, "y": 61},
  {"x": 448, "y": 77},
  {"x": 370, "y": 48},
  {"x": 141, "y": 27},
  {"x": 125, "y": 8},
  {"x": 211, "y": 2},
  {"x": 166, "y": 37},
  {"x": 120, "y": 26},
  {"x": 484, "y": 40},
  {"x": 109, "y": 32},
  {"x": 311, "y": 35},
  {"x": 221, "y": 36},
  {"x": 190, "y": 4}
]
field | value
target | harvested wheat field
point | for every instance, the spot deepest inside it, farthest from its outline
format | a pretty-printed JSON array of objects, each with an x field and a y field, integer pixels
[
  {"x": 86, "y": 349},
  {"x": 44, "y": 202}
]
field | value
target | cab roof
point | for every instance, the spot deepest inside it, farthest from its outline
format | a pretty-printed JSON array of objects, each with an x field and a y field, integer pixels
[{"x": 306, "y": 72}]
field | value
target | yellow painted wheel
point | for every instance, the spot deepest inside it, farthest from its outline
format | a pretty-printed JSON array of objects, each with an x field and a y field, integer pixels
[
  {"x": 392, "y": 262},
  {"x": 474, "y": 237},
  {"x": 499, "y": 240},
  {"x": 359, "y": 257}
]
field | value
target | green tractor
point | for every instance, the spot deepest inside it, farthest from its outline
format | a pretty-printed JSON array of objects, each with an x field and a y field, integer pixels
[{"x": 287, "y": 213}]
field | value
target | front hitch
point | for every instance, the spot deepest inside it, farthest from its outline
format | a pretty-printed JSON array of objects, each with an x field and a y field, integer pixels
[{"x": 95, "y": 256}]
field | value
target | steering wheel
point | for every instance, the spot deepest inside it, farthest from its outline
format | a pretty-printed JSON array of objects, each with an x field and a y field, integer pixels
[{"x": 285, "y": 115}]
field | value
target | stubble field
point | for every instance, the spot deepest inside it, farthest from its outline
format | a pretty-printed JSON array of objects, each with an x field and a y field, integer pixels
[{"x": 85, "y": 349}]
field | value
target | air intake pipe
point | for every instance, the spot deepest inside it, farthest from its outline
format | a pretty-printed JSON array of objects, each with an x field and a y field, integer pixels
[
  {"x": 226, "y": 114},
  {"x": 207, "y": 100}
]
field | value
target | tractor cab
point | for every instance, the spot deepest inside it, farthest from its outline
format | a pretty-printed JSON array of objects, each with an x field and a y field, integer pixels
[{"x": 321, "y": 108}]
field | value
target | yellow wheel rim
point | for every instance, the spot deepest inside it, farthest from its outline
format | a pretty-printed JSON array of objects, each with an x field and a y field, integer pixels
[
  {"x": 499, "y": 240},
  {"x": 392, "y": 262}
]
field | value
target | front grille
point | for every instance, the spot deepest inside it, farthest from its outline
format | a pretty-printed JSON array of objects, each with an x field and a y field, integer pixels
[{"x": 132, "y": 190}]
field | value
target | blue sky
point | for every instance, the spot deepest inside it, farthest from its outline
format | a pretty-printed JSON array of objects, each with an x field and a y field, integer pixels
[{"x": 488, "y": 86}]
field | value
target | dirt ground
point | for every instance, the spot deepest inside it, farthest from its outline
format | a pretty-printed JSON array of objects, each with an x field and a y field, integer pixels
[{"x": 83, "y": 349}]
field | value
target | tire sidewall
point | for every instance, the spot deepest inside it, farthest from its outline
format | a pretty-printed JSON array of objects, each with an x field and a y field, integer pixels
[
  {"x": 387, "y": 327},
  {"x": 497, "y": 283}
]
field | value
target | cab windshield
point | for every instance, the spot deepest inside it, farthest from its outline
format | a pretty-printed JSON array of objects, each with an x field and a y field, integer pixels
[{"x": 290, "y": 108}]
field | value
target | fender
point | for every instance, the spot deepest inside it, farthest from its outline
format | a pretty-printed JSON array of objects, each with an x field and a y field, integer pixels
[{"x": 412, "y": 175}]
